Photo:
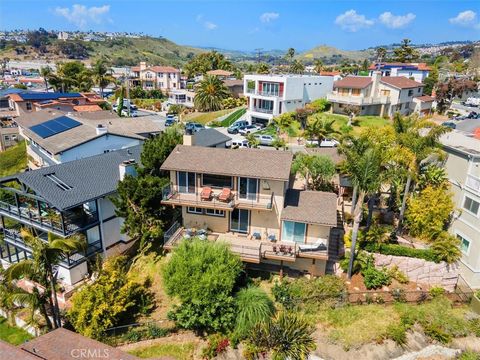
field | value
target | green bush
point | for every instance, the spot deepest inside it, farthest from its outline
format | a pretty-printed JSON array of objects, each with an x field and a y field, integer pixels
[
  {"x": 446, "y": 247},
  {"x": 436, "y": 291},
  {"x": 374, "y": 278},
  {"x": 397, "y": 274},
  {"x": 398, "y": 333},
  {"x": 133, "y": 336},
  {"x": 469, "y": 355},
  {"x": 216, "y": 345},
  {"x": 434, "y": 331},
  {"x": 399, "y": 295},
  {"x": 399, "y": 250},
  {"x": 361, "y": 261},
  {"x": 154, "y": 332}
]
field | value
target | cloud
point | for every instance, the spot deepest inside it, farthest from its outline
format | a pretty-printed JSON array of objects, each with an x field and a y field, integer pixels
[
  {"x": 81, "y": 15},
  {"x": 351, "y": 21},
  {"x": 206, "y": 24},
  {"x": 465, "y": 18},
  {"x": 269, "y": 16},
  {"x": 396, "y": 21}
]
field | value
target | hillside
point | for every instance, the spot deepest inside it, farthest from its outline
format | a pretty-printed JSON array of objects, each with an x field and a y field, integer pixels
[{"x": 330, "y": 52}]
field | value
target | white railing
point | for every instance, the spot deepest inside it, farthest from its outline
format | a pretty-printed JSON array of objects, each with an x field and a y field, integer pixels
[
  {"x": 473, "y": 183},
  {"x": 358, "y": 100}
]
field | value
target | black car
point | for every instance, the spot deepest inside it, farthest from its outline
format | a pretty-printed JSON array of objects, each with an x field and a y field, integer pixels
[
  {"x": 169, "y": 122},
  {"x": 449, "y": 124}
]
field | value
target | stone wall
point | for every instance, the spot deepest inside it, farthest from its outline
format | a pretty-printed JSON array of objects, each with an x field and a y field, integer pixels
[{"x": 422, "y": 271}]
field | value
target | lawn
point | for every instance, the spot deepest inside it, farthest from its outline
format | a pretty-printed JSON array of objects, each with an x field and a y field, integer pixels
[
  {"x": 13, "y": 160},
  {"x": 230, "y": 119},
  {"x": 12, "y": 334},
  {"x": 362, "y": 121},
  {"x": 176, "y": 351},
  {"x": 204, "y": 118}
]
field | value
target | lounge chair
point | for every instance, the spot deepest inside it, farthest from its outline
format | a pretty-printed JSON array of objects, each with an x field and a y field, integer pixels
[
  {"x": 317, "y": 245},
  {"x": 206, "y": 193},
  {"x": 225, "y": 195}
]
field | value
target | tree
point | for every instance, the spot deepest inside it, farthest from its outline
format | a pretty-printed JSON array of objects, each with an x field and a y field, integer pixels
[
  {"x": 40, "y": 268},
  {"x": 202, "y": 276},
  {"x": 405, "y": 53},
  {"x": 283, "y": 122},
  {"x": 155, "y": 150},
  {"x": 317, "y": 170},
  {"x": 45, "y": 72},
  {"x": 287, "y": 336},
  {"x": 319, "y": 105},
  {"x": 451, "y": 89},
  {"x": 432, "y": 175},
  {"x": 210, "y": 93},
  {"x": 120, "y": 98},
  {"x": 101, "y": 75},
  {"x": 296, "y": 67},
  {"x": 380, "y": 54},
  {"x": 320, "y": 128},
  {"x": 318, "y": 65},
  {"x": 446, "y": 247},
  {"x": 253, "y": 141},
  {"x": 254, "y": 307},
  {"x": 263, "y": 68},
  {"x": 204, "y": 62},
  {"x": 115, "y": 298},
  {"x": 290, "y": 54},
  {"x": 70, "y": 76},
  {"x": 431, "y": 81},
  {"x": 279, "y": 143}
]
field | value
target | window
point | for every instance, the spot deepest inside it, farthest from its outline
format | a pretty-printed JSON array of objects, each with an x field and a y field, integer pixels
[
  {"x": 410, "y": 92},
  {"x": 418, "y": 90},
  {"x": 219, "y": 181},
  {"x": 6, "y": 138},
  {"x": 471, "y": 205},
  {"x": 215, "y": 212},
  {"x": 247, "y": 188},
  {"x": 29, "y": 105},
  {"x": 194, "y": 210},
  {"x": 355, "y": 92},
  {"x": 464, "y": 244},
  {"x": 384, "y": 92},
  {"x": 186, "y": 182},
  {"x": 293, "y": 231}
]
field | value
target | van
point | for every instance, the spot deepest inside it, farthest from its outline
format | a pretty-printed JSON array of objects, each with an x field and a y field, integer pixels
[{"x": 235, "y": 127}]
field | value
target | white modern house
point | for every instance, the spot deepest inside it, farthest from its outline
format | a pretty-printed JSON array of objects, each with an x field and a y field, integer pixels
[
  {"x": 414, "y": 71},
  {"x": 271, "y": 95}
]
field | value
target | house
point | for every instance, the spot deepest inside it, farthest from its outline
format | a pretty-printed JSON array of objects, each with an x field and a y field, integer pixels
[
  {"x": 66, "y": 199},
  {"x": 165, "y": 78},
  {"x": 221, "y": 74},
  {"x": 413, "y": 71},
  {"x": 234, "y": 86},
  {"x": 271, "y": 95},
  {"x": 379, "y": 95},
  {"x": 463, "y": 170},
  {"x": 55, "y": 137},
  {"x": 243, "y": 197},
  {"x": 62, "y": 344},
  {"x": 8, "y": 136},
  {"x": 181, "y": 97},
  {"x": 206, "y": 138}
]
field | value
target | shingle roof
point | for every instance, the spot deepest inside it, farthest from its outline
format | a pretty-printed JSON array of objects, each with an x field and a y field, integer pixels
[
  {"x": 210, "y": 137},
  {"x": 425, "y": 98},
  {"x": 89, "y": 178},
  {"x": 219, "y": 72},
  {"x": 8, "y": 351},
  {"x": 311, "y": 207},
  {"x": 400, "y": 82},
  {"x": 331, "y": 152},
  {"x": 353, "y": 82},
  {"x": 163, "y": 69},
  {"x": 128, "y": 127},
  {"x": 256, "y": 163}
]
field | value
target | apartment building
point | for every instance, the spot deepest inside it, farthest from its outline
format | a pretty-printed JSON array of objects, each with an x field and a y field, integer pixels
[
  {"x": 165, "y": 78},
  {"x": 244, "y": 198},
  {"x": 66, "y": 199},
  {"x": 380, "y": 95},
  {"x": 55, "y": 137},
  {"x": 414, "y": 71},
  {"x": 271, "y": 95},
  {"x": 463, "y": 170}
]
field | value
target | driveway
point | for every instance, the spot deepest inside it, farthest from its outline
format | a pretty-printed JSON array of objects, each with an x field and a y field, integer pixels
[{"x": 157, "y": 118}]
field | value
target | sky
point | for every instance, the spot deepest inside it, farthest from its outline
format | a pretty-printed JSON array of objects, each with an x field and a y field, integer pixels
[{"x": 249, "y": 24}]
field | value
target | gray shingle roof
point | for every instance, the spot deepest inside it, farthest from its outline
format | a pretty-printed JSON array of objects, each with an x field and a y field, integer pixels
[
  {"x": 210, "y": 137},
  {"x": 255, "y": 163},
  {"x": 89, "y": 178},
  {"x": 311, "y": 207}
]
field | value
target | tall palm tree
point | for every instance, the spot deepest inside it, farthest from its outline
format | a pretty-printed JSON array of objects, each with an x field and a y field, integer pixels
[
  {"x": 320, "y": 128},
  {"x": 41, "y": 267},
  {"x": 46, "y": 72},
  {"x": 210, "y": 93},
  {"x": 318, "y": 64},
  {"x": 253, "y": 141},
  {"x": 283, "y": 122},
  {"x": 101, "y": 75},
  {"x": 296, "y": 67}
]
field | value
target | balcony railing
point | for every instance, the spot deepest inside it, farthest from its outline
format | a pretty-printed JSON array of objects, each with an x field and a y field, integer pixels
[
  {"x": 473, "y": 183},
  {"x": 357, "y": 99},
  {"x": 264, "y": 111},
  {"x": 265, "y": 93}
]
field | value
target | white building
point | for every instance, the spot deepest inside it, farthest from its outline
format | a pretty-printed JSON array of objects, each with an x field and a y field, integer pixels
[
  {"x": 414, "y": 71},
  {"x": 271, "y": 95}
]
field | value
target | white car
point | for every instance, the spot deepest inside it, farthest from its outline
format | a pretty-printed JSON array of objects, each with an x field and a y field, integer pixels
[
  {"x": 239, "y": 144},
  {"x": 324, "y": 143},
  {"x": 133, "y": 113},
  {"x": 249, "y": 129},
  {"x": 266, "y": 140}
]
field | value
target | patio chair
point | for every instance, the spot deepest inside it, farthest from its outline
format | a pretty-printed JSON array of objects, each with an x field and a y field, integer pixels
[
  {"x": 206, "y": 193},
  {"x": 317, "y": 245},
  {"x": 225, "y": 195}
]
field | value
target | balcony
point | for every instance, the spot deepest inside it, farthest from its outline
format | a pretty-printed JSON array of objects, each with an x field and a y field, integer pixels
[
  {"x": 473, "y": 183},
  {"x": 172, "y": 196},
  {"x": 263, "y": 111},
  {"x": 357, "y": 100},
  {"x": 265, "y": 93}
]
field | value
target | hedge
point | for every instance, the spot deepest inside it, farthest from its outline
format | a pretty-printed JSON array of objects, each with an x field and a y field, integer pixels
[{"x": 398, "y": 250}]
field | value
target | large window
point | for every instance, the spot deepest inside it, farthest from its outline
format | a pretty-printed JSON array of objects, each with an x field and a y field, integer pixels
[
  {"x": 293, "y": 231},
  {"x": 270, "y": 88},
  {"x": 194, "y": 210},
  {"x": 239, "y": 219},
  {"x": 186, "y": 182},
  {"x": 471, "y": 205},
  {"x": 247, "y": 188},
  {"x": 215, "y": 212},
  {"x": 464, "y": 244},
  {"x": 218, "y": 181}
]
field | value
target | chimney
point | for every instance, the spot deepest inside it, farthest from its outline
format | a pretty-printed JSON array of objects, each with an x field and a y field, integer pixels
[
  {"x": 376, "y": 77},
  {"x": 127, "y": 167},
  {"x": 143, "y": 65},
  {"x": 189, "y": 138},
  {"x": 101, "y": 129}
]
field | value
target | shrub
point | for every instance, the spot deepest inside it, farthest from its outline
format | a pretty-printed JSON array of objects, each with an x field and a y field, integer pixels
[
  {"x": 395, "y": 273},
  {"x": 399, "y": 295},
  {"x": 436, "y": 291},
  {"x": 446, "y": 248},
  {"x": 154, "y": 332},
  {"x": 399, "y": 250},
  {"x": 216, "y": 345},
  {"x": 361, "y": 261},
  {"x": 397, "y": 333},
  {"x": 435, "y": 332},
  {"x": 469, "y": 355},
  {"x": 133, "y": 336},
  {"x": 374, "y": 278}
]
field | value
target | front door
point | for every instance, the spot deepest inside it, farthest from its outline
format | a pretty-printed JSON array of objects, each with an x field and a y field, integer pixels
[
  {"x": 239, "y": 220},
  {"x": 247, "y": 188}
]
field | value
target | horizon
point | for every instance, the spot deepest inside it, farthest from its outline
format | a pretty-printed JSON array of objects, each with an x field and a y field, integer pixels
[{"x": 304, "y": 24}]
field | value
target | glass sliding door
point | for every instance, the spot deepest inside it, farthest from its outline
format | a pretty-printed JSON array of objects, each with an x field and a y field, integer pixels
[
  {"x": 186, "y": 182},
  {"x": 293, "y": 231},
  {"x": 247, "y": 188},
  {"x": 239, "y": 220}
]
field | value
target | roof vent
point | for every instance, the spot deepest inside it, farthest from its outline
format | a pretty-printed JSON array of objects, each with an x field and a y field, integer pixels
[{"x": 100, "y": 129}]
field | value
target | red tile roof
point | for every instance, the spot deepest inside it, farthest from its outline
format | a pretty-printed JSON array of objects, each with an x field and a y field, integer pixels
[
  {"x": 353, "y": 82},
  {"x": 220, "y": 72},
  {"x": 425, "y": 98},
  {"x": 91, "y": 107},
  {"x": 400, "y": 82},
  {"x": 329, "y": 73},
  {"x": 163, "y": 69}
]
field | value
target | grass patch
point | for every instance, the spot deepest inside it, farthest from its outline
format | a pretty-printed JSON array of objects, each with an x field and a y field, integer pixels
[
  {"x": 230, "y": 119},
  {"x": 176, "y": 351},
  {"x": 362, "y": 122},
  {"x": 204, "y": 118},
  {"x": 12, "y": 334},
  {"x": 13, "y": 160}
]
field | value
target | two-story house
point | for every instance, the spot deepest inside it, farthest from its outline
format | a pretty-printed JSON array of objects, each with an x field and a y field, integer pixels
[
  {"x": 66, "y": 199},
  {"x": 55, "y": 137},
  {"x": 414, "y": 71},
  {"x": 271, "y": 95},
  {"x": 165, "y": 78},
  {"x": 243, "y": 197},
  {"x": 379, "y": 95},
  {"x": 463, "y": 170}
]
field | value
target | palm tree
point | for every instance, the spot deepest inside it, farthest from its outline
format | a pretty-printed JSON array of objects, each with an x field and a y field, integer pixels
[
  {"x": 320, "y": 128},
  {"x": 46, "y": 72},
  {"x": 279, "y": 143},
  {"x": 318, "y": 64},
  {"x": 253, "y": 142},
  {"x": 101, "y": 75},
  {"x": 210, "y": 93},
  {"x": 41, "y": 267},
  {"x": 290, "y": 54},
  {"x": 283, "y": 122},
  {"x": 263, "y": 68},
  {"x": 296, "y": 67}
]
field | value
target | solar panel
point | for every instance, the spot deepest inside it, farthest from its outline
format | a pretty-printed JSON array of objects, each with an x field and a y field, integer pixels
[
  {"x": 48, "y": 95},
  {"x": 54, "y": 126}
]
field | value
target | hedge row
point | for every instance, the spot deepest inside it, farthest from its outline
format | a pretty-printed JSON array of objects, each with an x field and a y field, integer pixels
[{"x": 398, "y": 250}]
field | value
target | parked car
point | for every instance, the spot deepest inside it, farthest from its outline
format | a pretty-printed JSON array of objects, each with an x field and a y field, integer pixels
[
  {"x": 194, "y": 127},
  {"x": 169, "y": 122},
  {"x": 239, "y": 144},
  {"x": 235, "y": 127},
  {"x": 244, "y": 130},
  {"x": 133, "y": 113},
  {"x": 449, "y": 124},
  {"x": 324, "y": 143},
  {"x": 266, "y": 140}
]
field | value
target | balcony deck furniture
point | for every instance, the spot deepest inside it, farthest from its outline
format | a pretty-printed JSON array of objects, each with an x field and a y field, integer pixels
[
  {"x": 225, "y": 195},
  {"x": 320, "y": 244},
  {"x": 206, "y": 193}
]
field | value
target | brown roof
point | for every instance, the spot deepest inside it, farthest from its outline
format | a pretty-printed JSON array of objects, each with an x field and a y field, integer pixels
[
  {"x": 255, "y": 163},
  {"x": 331, "y": 152},
  {"x": 15, "y": 97},
  {"x": 219, "y": 72},
  {"x": 230, "y": 83},
  {"x": 62, "y": 344},
  {"x": 163, "y": 69},
  {"x": 8, "y": 351},
  {"x": 353, "y": 82},
  {"x": 400, "y": 82},
  {"x": 425, "y": 98},
  {"x": 310, "y": 207},
  {"x": 329, "y": 73},
  {"x": 92, "y": 107}
]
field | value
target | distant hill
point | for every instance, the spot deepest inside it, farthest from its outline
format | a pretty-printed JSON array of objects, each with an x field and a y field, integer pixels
[{"x": 334, "y": 54}]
